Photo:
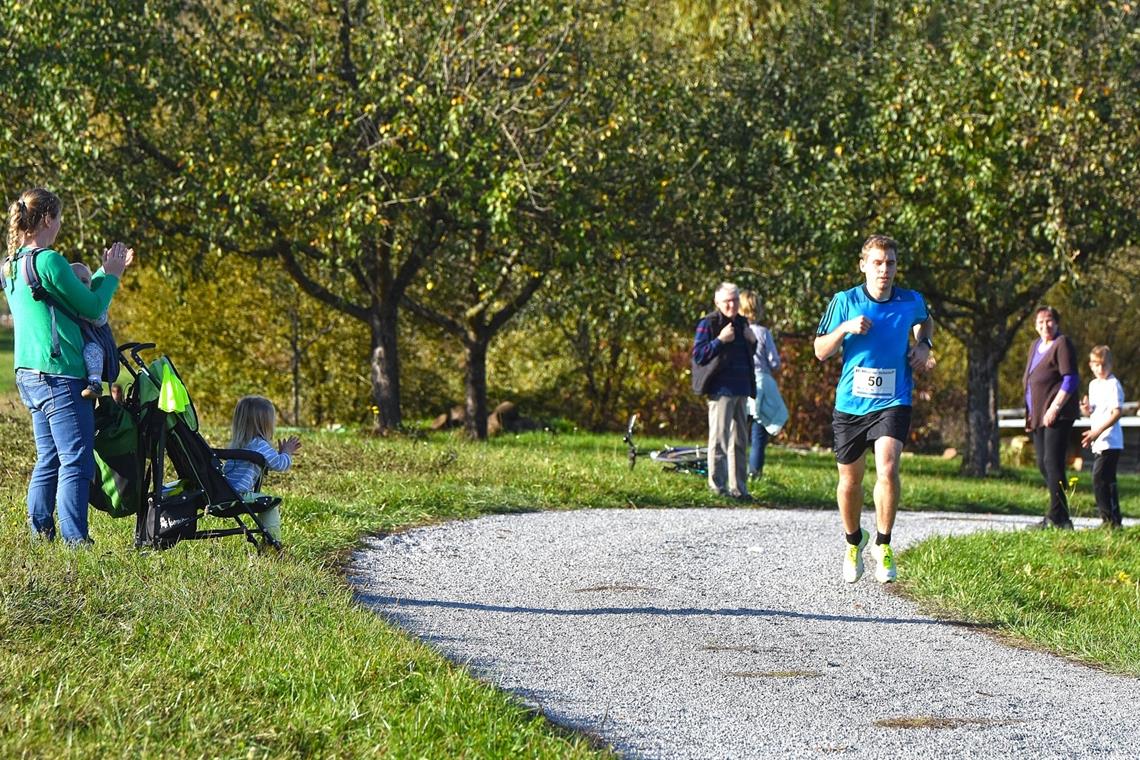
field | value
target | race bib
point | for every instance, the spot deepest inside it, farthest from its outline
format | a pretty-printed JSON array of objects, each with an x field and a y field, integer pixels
[{"x": 874, "y": 383}]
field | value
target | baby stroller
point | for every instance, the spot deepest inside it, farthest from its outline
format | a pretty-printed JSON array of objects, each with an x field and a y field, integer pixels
[{"x": 167, "y": 512}]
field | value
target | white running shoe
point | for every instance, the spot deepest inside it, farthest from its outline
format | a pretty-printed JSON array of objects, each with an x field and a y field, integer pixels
[
  {"x": 853, "y": 559},
  {"x": 885, "y": 570}
]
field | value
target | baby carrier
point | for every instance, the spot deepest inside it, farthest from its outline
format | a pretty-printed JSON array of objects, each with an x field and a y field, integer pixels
[
  {"x": 24, "y": 262},
  {"x": 156, "y": 424}
]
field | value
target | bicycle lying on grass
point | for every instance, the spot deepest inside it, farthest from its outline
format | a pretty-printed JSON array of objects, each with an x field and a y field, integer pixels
[{"x": 687, "y": 459}]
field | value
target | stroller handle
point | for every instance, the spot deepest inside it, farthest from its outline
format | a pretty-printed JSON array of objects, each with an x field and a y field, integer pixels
[{"x": 133, "y": 349}]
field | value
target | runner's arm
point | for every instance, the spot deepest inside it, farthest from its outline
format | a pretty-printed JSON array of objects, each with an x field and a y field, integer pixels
[{"x": 826, "y": 345}]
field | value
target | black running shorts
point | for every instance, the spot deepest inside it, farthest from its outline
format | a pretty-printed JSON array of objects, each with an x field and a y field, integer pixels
[{"x": 855, "y": 433}]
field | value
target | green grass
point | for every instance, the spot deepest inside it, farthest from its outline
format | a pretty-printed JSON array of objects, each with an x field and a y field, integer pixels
[
  {"x": 7, "y": 376},
  {"x": 211, "y": 650},
  {"x": 1077, "y": 593}
]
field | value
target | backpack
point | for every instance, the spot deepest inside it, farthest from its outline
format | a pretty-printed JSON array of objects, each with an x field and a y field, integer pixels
[{"x": 100, "y": 335}]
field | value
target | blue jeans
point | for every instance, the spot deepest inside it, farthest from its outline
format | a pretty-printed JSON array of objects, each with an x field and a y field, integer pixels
[
  {"x": 64, "y": 426},
  {"x": 756, "y": 452}
]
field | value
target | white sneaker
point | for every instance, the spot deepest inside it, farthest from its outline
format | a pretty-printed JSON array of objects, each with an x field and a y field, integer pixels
[
  {"x": 853, "y": 559},
  {"x": 885, "y": 570}
]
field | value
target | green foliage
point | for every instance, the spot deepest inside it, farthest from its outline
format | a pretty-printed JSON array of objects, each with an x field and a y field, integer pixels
[
  {"x": 247, "y": 329},
  {"x": 625, "y": 156},
  {"x": 710, "y": 23},
  {"x": 350, "y": 145},
  {"x": 1095, "y": 310},
  {"x": 985, "y": 137}
]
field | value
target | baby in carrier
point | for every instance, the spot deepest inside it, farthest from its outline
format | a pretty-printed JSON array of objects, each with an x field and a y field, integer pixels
[{"x": 93, "y": 355}]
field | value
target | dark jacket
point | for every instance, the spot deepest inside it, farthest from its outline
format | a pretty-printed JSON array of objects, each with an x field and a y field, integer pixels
[
  {"x": 731, "y": 363},
  {"x": 1045, "y": 380}
]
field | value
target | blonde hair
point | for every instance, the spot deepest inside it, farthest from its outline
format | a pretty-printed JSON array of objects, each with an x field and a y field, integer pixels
[
  {"x": 1102, "y": 354},
  {"x": 254, "y": 417},
  {"x": 750, "y": 305},
  {"x": 29, "y": 212}
]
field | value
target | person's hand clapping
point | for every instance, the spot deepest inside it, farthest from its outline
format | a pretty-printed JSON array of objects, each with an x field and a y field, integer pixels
[
  {"x": 289, "y": 445},
  {"x": 117, "y": 258}
]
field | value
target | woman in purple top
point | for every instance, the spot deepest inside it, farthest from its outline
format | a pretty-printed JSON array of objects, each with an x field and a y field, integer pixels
[{"x": 1051, "y": 407}]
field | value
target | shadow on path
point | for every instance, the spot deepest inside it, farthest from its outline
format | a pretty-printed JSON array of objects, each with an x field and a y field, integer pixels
[{"x": 376, "y": 601}]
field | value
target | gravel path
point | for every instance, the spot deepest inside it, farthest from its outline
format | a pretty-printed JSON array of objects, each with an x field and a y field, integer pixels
[{"x": 728, "y": 633}]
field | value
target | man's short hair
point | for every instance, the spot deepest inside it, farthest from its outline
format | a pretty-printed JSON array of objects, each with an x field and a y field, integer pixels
[
  {"x": 879, "y": 243},
  {"x": 727, "y": 287}
]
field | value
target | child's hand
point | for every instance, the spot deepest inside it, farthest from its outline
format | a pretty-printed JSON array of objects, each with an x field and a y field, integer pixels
[
  {"x": 289, "y": 445},
  {"x": 1088, "y": 437},
  {"x": 1085, "y": 408}
]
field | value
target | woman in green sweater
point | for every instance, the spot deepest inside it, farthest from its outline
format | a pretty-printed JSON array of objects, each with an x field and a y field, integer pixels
[{"x": 50, "y": 372}]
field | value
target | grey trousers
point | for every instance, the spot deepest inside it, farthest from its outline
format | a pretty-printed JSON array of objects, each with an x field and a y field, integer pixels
[{"x": 728, "y": 445}]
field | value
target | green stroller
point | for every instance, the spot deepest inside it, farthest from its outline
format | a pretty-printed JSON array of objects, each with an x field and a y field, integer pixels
[{"x": 154, "y": 425}]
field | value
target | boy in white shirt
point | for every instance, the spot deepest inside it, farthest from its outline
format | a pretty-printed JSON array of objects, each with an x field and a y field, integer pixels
[{"x": 1104, "y": 404}]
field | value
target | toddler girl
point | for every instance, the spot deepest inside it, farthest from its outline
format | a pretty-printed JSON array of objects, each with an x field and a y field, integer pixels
[{"x": 254, "y": 423}]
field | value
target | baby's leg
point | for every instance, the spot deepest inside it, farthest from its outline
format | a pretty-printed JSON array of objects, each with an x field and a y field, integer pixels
[{"x": 93, "y": 361}]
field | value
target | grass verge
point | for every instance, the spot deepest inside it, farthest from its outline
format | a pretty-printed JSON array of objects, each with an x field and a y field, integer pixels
[
  {"x": 209, "y": 649},
  {"x": 1072, "y": 592}
]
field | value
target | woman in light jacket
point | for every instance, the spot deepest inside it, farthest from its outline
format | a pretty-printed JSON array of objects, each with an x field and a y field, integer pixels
[{"x": 769, "y": 415}]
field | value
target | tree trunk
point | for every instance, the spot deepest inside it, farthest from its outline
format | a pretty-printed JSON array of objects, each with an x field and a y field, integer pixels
[
  {"x": 385, "y": 363},
  {"x": 982, "y": 454},
  {"x": 475, "y": 381}
]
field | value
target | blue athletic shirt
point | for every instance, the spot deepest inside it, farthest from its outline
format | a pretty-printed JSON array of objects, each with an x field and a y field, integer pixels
[{"x": 876, "y": 374}]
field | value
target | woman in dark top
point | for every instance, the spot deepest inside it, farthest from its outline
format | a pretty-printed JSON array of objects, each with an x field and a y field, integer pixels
[{"x": 1051, "y": 408}]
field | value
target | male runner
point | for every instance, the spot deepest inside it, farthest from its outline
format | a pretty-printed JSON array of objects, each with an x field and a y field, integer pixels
[{"x": 873, "y": 323}]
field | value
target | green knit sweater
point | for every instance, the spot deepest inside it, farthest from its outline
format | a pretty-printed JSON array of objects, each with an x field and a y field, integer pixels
[{"x": 32, "y": 319}]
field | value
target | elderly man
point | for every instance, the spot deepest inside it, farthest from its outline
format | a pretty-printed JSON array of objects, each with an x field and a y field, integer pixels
[{"x": 722, "y": 370}]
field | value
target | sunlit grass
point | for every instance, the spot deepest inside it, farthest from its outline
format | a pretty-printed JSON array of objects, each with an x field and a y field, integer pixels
[
  {"x": 212, "y": 650},
  {"x": 1073, "y": 592}
]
